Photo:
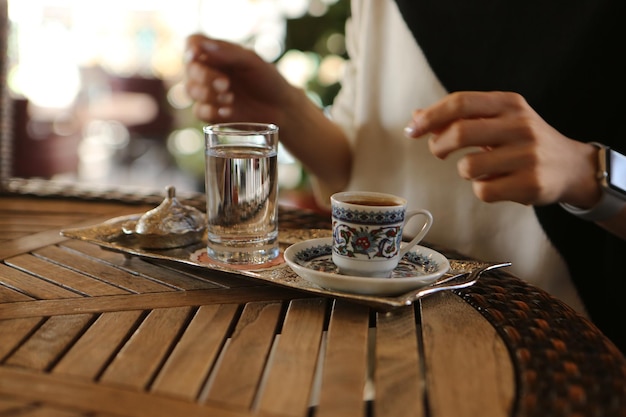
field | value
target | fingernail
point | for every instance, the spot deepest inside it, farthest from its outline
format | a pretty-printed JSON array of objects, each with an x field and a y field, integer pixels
[
  {"x": 414, "y": 128},
  {"x": 224, "y": 112},
  {"x": 225, "y": 98},
  {"x": 220, "y": 85},
  {"x": 409, "y": 130},
  {"x": 210, "y": 45},
  {"x": 188, "y": 57}
]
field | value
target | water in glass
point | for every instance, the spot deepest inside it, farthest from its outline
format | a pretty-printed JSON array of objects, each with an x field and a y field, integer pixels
[{"x": 241, "y": 187}]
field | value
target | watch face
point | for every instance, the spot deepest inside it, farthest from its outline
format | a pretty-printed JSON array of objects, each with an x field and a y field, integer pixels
[{"x": 617, "y": 171}]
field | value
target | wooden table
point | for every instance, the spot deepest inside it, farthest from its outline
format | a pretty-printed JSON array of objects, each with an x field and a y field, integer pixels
[{"x": 86, "y": 331}]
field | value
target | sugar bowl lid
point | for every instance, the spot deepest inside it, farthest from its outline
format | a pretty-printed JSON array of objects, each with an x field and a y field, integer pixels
[{"x": 169, "y": 225}]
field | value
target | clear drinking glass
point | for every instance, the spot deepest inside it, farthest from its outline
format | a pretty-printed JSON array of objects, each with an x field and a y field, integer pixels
[{"x": 242, "y": 192}]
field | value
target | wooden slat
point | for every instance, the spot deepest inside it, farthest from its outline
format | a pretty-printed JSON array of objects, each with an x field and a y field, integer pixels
[
  {"x": 224, "y": 279},
  {"x": 42, "y": 221},
  {"x": 240, "y": 370},
  {"x": 89, "y": 355},
  {"x": 138, "y": 266},
  {"x": 10, "y": 295},
  {"x": 172, "y": 273},
  {"x": 20, "y": 230},
  {"x": 139, "y": 359},
  {"x": 86, "y": 266},
  {"x": 464, "y": 349},
  {"x": 48, "y": 237},
  {"x": 30, "y": 242},
  {"x": 40, "y": 411},
  {"x": 7, "y": 234},
  {"x": 13, "y": 332},
  {"x": 14, "y": 407},
  {"x": 293, "y": 364},
  {"x": 33, "y": 286},
  {"x": 63, "y": 277},
  {"x": 398, "y": 376},
  {"x": 142, "y": 301},
  {"x": 345, "y": 362},
  {"x": 49, "y": 342},
  {"x": 77, "y": 394},
  {"x": 188, "y": 366}
]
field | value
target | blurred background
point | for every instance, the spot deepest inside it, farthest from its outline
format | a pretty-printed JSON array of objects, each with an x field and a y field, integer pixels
[{"x": 97, "y": 86}]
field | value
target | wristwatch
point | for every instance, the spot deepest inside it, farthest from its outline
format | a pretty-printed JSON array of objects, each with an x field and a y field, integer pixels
[{"x": 612, "y": 177}]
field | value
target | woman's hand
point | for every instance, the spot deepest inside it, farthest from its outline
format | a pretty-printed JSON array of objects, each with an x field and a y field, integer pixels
[
  {"x": 518, "y": 156},
  {"x": 228, "y": 82}
]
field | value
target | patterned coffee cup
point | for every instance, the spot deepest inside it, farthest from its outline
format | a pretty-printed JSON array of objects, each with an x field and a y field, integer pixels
[{"x": 367, "y": 232}]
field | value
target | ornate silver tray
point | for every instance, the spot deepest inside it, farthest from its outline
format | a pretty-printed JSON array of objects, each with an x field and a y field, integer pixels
[{"x": 110, "y": 235}]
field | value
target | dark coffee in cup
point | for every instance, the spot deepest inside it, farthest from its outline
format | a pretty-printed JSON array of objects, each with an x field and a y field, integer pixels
[{"x": 374, "y": 203}]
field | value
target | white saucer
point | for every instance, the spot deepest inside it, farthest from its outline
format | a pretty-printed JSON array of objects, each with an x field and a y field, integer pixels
[{"x": 312, "y": 260}]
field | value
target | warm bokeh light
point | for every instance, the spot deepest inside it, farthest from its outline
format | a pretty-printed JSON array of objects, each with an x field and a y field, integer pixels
[
  {"x": 298, "y": 67},
  {"x": 64, "y": 54},
  {"x": 331, "y": 69},
  {"x": 130, "y": 37}
]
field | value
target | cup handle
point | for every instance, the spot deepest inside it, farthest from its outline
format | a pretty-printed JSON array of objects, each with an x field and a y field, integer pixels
[{"x": 425, "y": 228}]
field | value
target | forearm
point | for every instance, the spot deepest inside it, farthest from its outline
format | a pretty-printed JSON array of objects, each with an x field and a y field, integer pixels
[{"x": 318, "y": 143}]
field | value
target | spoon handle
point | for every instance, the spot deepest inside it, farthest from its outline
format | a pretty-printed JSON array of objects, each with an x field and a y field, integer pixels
[{"x": 455, "y": 282}]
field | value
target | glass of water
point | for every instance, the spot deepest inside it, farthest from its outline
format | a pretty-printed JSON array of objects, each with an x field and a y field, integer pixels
[{"x": 242, "y": 192}]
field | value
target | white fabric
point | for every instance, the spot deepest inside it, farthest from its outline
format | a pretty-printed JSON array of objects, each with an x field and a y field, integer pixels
[{"x": 388, "y": 77}]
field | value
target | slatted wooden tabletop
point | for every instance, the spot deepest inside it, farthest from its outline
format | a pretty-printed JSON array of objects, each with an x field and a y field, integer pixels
[{"x": 86, "y": 331}]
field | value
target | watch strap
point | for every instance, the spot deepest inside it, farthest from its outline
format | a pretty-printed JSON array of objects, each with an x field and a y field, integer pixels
[{"x": 609, "y": 204}]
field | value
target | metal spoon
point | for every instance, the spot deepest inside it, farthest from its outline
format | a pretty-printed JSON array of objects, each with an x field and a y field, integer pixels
[{"x": 455, "y": 282}]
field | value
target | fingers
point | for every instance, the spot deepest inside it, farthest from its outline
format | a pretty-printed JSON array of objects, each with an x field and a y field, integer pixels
[
  {"x": 482, "y": 132},
  {"x": 474, "y": 119},
  {"x": 514, "y": 154},
  {"x": 462, "y": 105},
  {"x": 206, "y": 85},
  {"x": 218, "y": 54},
  {"x": 520, "y": 187},
  {"x": 488, "y": 163},
  {"x": 210, "y": 112},
  {"x": 510, "y": 173},
  {"x": 218, "y": 73},
  {"x": 199, "y": 47},
  {"x": 210, "y": 90}
]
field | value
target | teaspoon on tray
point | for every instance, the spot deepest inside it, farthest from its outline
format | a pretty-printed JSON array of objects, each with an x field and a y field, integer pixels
[{"x": 454, "y": 282}]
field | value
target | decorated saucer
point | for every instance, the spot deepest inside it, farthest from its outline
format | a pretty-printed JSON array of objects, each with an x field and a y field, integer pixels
[{"x": 312, "y": 260}]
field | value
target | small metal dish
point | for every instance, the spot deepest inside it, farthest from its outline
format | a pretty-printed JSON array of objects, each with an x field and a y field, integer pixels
[{"x": 170, "y": 225}]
